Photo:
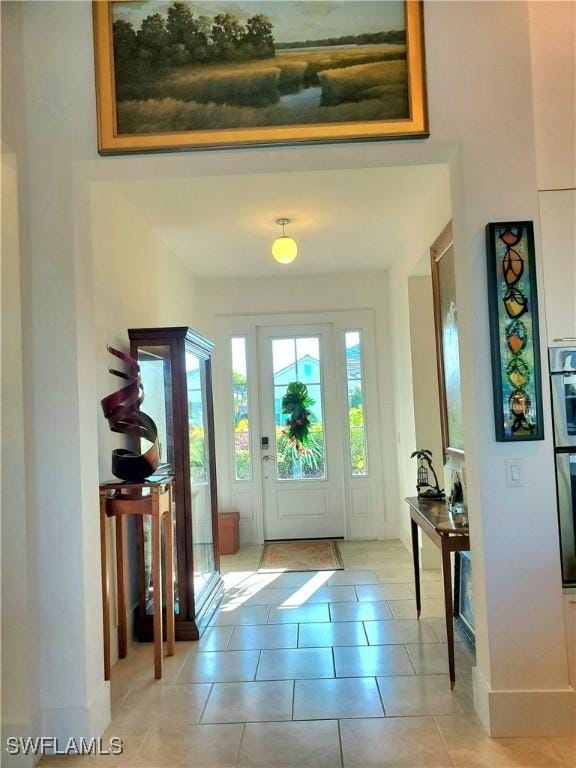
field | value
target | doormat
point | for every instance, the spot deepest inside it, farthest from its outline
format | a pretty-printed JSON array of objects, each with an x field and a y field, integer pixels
[{"x": 279, "y": 556}]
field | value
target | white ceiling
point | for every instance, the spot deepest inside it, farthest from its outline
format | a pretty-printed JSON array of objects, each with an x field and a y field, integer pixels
[{"x": 343, "y": 220}]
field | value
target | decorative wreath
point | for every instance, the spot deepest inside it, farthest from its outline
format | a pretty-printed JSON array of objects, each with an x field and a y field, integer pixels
[{"x": 297, "y": 402}]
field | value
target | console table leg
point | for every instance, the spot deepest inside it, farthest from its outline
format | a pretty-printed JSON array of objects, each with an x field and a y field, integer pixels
[
  {"x": 157, "y": 579},
  {"x": 416, "y": 556},
  {"x": 447, "y": 576},
  {"x": 121, "y": 586},
  {"x": 105, "y": 584}
]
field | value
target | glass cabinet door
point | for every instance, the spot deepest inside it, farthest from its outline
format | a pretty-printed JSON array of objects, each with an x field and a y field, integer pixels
[
  {"x": 175, "y": 374},
  {"x": 201, "y": 491},
  {"x": 156, "y": 376}
]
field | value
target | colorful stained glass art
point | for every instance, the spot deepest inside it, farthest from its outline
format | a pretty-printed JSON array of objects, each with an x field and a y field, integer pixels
[{"x": 514, "y": 330}]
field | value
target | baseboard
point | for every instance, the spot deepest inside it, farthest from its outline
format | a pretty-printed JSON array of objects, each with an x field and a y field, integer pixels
[
  {"x": 523, "y": 713},
  {"x": 74, "y": 722},
  {"x": 18, "y": 730},
  {"x": 481, "y": 694},
  {"x": 406, "y": 540}
]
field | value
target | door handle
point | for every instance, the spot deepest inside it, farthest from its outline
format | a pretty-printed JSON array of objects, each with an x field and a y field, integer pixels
[{"x": 268, "y": 457}]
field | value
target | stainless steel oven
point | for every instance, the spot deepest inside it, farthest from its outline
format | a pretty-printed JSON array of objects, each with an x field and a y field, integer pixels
[
  {"x": 566, "y": 484},
  {"x": 563, "y": 378},
  {"x": 563, "y": 383}
]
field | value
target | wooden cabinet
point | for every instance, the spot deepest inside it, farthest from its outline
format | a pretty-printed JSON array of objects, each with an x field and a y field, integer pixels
[{"x": 175, "y": 367}]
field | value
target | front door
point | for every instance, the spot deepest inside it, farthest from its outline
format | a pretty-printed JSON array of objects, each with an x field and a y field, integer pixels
[{"x": 303, "y": 493}]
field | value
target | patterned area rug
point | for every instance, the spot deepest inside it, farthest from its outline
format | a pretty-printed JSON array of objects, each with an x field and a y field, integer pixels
[{"x": 281, "y": 556}]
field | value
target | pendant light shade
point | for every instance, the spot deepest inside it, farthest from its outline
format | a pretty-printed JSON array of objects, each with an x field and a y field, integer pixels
[{"x": 284, "y": 248}]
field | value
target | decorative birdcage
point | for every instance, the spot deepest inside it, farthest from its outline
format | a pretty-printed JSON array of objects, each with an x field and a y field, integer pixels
[{"x": 425, "y": 488}]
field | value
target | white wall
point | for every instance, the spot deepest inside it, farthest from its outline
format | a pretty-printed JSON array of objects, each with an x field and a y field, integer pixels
[
  {"x": 137, "y": 283},
  {"x": 473, "y": 67},
  {"x": 19, "y": 685},
  {"x": 318, "y": 293},
  {"x": 552, "y": 34}
]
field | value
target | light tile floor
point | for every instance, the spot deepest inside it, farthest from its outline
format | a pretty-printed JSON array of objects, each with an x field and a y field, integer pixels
[{"x": 313, "y": 670}]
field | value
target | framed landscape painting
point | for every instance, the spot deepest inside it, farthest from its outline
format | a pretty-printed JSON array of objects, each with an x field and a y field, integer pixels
[{"x": 200, "y": 74}]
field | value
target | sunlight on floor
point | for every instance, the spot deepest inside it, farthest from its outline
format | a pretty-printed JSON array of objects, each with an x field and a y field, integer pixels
[
  {"x": 307, "y": 590},
  {"x": 323, "y": 669}
]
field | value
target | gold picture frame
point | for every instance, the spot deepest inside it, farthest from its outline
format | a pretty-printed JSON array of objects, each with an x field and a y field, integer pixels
[{"x": 114, "y": 139}]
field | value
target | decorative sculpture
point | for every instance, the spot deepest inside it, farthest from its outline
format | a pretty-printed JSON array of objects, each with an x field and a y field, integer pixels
[
  {"x": 122, "y": 410},
  {"x": 423, "y": 485}
]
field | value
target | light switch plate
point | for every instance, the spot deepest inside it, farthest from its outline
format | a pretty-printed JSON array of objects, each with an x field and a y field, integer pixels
[{"x": 514, "y": 473}]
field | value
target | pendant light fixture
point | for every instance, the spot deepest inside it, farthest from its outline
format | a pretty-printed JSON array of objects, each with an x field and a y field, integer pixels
[{"x": 284, "y": 249}]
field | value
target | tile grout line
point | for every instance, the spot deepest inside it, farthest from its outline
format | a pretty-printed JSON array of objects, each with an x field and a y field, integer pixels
[
  {"x": 380, "y": 695},
  {"x": 412, "y": 664},
  {"x": 239, "y": 750},
  {"x": 293, "y": 696},
  {"x": 257, "y": 665},
  {"x": 368, "y": 643},
  {"x": 205, "y": 704},
  {"x": 340, "y": 743},
  {"x": 390, "y": 608},
  {"x": 186, "y": 657},
  {"x": 146, "y": 732},
  {"x": 442, "y": 739}
]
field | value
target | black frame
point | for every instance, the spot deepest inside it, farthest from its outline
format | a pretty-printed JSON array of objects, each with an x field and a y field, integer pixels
[{"x": 497, "y": 343}]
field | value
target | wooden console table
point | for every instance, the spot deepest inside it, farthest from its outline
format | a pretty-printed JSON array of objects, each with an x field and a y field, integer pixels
[
  {"x": 433, "y": 518},
  {"x": 148, "y": 498}
]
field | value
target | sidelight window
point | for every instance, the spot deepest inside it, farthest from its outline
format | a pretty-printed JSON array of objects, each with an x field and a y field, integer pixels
[
  {"x": 356, "y": 408},
  {"x": 242, "y": 458}
]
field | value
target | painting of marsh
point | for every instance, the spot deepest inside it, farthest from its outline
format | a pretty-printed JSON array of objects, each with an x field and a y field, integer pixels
[{"x": 182, "y": 67}]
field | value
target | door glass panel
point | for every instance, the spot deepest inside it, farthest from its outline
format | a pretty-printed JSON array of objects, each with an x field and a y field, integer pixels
[
  {"x": 202, "y": 538},
  {"x": 298, "y": 359},
  {"x": 156, "y": 378},
  {"x": 356, "y": 420},
  {"x": 242, "y": 459},
  {"x": 284, "y": 355}
]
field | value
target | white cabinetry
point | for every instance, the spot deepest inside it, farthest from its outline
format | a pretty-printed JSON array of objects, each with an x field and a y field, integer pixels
[{"x": 558, "y": 224}]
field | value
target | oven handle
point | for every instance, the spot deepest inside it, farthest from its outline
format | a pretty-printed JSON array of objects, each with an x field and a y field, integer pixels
[{"x": 569, "y": 372}]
